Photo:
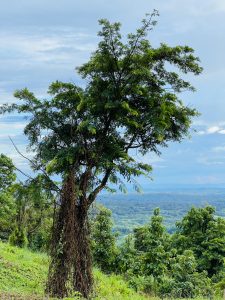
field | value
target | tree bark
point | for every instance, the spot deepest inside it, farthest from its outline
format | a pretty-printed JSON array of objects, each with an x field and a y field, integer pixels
[
  {"x": 70, "y": 266},
  {"x": 63, "y": 243},
  {"x": 82, "y": 279}
]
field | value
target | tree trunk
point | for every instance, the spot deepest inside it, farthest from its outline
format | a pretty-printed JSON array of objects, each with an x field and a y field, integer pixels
[
  {"x": 63, "y": 243},
  {"x": 70, "y": 266},
  {"x": 82, "y": 279}
]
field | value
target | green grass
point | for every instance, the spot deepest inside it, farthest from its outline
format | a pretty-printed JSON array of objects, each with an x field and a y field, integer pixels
[
  {"x": 21, "y": 271},
  {"x": 23, "y": 275}
]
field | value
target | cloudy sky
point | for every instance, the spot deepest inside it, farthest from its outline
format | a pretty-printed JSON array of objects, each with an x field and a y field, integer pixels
[{"x": 42, "y": 41}]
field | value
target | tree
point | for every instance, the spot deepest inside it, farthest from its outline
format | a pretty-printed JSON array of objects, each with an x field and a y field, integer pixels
[
  {"x": 33, "y": 213},
  {"x": 104, "y": 248},
  {"x": 88, "y": 135},
  {"x": 185, "y": 281},
  {"x": 204, "y": 234},
  {"x": 153, "y": 245},
  {"x": 7, "y": 211},
  {"x": 7, "y": 172},
  {"x": 127, "y": 260}
]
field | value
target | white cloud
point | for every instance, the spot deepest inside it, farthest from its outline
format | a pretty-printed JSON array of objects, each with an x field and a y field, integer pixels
[
  {"x": 221, "y": 131},
  {"x": 213, "y": 129},
  {"x": 150, "y": 159},
  {"x": 12, "y": 126},
  {"x": 209, "y": 180},
  {"x": 3, "y": 136},
  {"x": 201, "y": 132},
  {"x": 218, "y": 149},
  {"x": 210, "y": 161},
  {"x": 204, "y": 128},
  {"x": 43, "y": 47}
]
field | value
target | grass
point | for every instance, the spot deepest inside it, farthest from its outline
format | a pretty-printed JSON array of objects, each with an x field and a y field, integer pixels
[{"x": 23, "y": 275}]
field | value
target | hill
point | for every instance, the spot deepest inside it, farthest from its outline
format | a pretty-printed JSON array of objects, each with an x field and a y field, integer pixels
[{"x": 23, "y": 274}]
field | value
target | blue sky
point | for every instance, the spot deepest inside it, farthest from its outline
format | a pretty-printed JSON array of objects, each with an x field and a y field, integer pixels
[{"x": 42, "y": 41}]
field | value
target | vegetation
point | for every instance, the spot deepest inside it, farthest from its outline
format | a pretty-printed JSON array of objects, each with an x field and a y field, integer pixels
[
  {"x": 188, "y": 263},
  {"x": 169, "y": 272},
  {"x": 87, "y": 135},
  {"x": 173, "y": 265},
  {"x": 23, "y": 275},
  {"x": 104, "y": 250},
  {"x": 132, "y": 210}
]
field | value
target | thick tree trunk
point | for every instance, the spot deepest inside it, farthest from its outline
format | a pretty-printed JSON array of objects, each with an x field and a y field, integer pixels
[
  {"x": 63, "y": 243},
  {"x": 70, "y": 267},
  {"x": 82, "y": 279}
]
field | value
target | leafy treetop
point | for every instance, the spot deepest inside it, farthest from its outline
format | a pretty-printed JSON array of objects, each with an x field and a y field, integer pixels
[{"x": 130, "y": 102}]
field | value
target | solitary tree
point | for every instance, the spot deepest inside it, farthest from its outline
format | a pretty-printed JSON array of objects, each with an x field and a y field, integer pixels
[{"x": 88, "y": 135}]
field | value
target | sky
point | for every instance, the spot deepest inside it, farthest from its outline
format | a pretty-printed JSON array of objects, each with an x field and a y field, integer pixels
[{"x": 43, "y": 41}]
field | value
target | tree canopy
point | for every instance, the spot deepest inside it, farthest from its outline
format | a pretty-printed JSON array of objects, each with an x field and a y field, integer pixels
[
  {"x": 130, "y": 102},
  {"x": 88, "y": 135}
]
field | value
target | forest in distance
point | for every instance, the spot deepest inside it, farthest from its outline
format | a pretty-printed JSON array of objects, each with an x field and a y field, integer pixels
[{"x": 134, "y": 209}]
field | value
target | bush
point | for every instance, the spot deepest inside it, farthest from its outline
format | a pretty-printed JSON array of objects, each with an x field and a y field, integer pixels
[{"x": 18, "y": 238}]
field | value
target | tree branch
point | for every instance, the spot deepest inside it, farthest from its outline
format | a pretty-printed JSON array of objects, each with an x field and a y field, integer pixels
[
  {"x": 56, "y": 188},
  {"x": 98, "y": 189}
]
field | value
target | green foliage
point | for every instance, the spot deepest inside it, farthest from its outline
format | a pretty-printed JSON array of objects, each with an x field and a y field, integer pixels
[
  {"x": 130, "y": 102},
  {"x": 204, "y": 234},
  {"x": 7, "y": 214},
  {"x": 33, "y": 211},
  {"x": 104, "y": 248},
  {"x": 185, "y": 281},
  {"x": 7, "y": 211},
  {"x": 127, "y": 260},
  {"x": 152, "y": 243},
  {"x": 18, "y": 238},
  {"x": 23, "y": 274},
  {"x": 7, "y": 174},
  {"x": 153, "y": 265}
]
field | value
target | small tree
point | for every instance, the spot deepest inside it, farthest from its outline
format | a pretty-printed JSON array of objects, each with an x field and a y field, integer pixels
[
  {"x": 104, "y": 248},
  {"x": 7, "y": 211},
  {"x": 18, "y": 237},
  {"x": 152, "y": 242},
  {"x": 33, "y": 213},
  {"x": 88, "y": 135},
  {"x": 204, "y": 234},
  {"x": 7, "y": 172},
  {"x": 185, "y": 281},
  {"x": 127, "y": 260}
]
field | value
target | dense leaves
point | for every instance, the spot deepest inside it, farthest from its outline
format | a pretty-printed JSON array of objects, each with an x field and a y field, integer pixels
[
  {"x": 104, "y": 241},
  {"x": 130, "y": 102},
  {"x": 204, "y": 234},
  {"x": 7, "y": 172},
  {"x": 170, "y": 265}
]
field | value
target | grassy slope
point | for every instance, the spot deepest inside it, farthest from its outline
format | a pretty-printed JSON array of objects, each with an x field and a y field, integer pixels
[{"x": 23, "y": 273}]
